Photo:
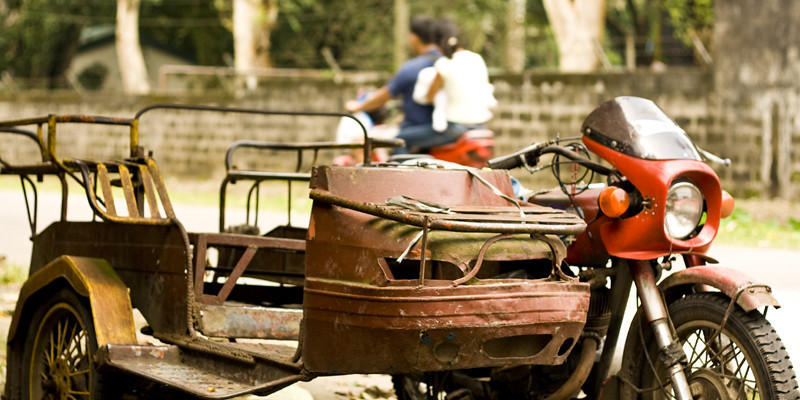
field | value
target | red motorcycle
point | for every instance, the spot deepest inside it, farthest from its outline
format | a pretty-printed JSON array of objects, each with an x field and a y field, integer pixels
[
  {"x": 698, "y": 332},
  {"x": 473, "y": 149}
]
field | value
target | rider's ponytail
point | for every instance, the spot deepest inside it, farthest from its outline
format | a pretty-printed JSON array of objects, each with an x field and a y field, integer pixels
[{"x": 448, "y": 37}]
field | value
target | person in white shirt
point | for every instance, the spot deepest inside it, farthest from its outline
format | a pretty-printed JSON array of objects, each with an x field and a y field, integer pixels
[
  {"x": 462, "y": 75},
  {"x": 458, "y": 87}
]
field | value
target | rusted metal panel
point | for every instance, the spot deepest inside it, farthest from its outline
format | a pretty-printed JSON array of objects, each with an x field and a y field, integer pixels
[
  {"x": 404, "y": 328},
  {"x": 93, "y": 278},
  {"x": 151, "y": 260},
  {"x": 433, "y": 323},
  {"x": 748, "y": 293},
  {"x": 250, "y": 322},
  {"x": 170, "y": 366}
]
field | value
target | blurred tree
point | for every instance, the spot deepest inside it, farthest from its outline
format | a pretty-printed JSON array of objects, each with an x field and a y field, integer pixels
[
  {"x": 578, "y": 26},
  {"x": 357, "y": 32},
  {"x": 360, "y": 36},
  {"x": 253, "y": 22},
  {"x": 195, "y": 27},
  {"x": 129, "y": 51},
  {"x": 693, "y": 20},
  {"x": 515, "y": 36},
  {"x": 661, "y": 31},
  {"x": 401, "y": 32},
  {"x": 40, "y": 37}
]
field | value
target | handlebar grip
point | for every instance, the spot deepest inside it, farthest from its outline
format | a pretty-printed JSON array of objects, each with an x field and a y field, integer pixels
[
  {"x": 519, "y": 158},
  {"x": 506, "y": 162}
]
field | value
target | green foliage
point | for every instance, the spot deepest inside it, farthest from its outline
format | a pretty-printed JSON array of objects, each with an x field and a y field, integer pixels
[
  {"x": 195, "y": 27},
  {"x": 691, "y": 17},
  {"x": 743, "y": 228},
  {"x": 40, "y": 36},
  {"x": 11, "y": 273},
  {"x": 356, "y": 32},
  {"x": 360, "y": 33},
  {"x": 93, "y": 76}
]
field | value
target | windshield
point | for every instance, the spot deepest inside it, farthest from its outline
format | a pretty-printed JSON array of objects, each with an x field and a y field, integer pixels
[{"x": 637, "y": 127}]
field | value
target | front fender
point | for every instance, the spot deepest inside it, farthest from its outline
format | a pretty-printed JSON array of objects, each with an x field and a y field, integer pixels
[
  {"x": 95, "y": 279},
  {"x": 729, "y": 281}
]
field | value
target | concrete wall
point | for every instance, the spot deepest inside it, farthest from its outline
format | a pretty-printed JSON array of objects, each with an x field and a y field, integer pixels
[
  {"x": 533, "y": 107},
  {"x": 757, "y": 66}
]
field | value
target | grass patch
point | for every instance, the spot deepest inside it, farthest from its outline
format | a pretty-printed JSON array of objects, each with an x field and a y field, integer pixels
[
  {"x": 761, "y": 223},
  {"x": 273, "y": 195},
  {"x": 12, "y": 273}
]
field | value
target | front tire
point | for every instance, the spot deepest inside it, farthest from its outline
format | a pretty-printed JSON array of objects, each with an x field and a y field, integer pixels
[{"x": 747, "y": 360}]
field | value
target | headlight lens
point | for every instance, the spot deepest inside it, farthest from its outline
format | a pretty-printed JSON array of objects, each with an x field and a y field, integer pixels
[{"x": 684, "y": 209}]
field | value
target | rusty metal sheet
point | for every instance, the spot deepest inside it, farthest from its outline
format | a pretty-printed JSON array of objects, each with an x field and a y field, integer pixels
[
  {"x": 749, "y": 293},
  {"x": 206, "y": 380},
  {"x": 250, "y": 322},
  {"x": 150, "y": 260},
  {"x": 409, "y": 329}
]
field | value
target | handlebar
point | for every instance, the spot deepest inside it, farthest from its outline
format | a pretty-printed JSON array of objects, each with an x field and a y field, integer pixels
[{"x": 529, "y": 156}]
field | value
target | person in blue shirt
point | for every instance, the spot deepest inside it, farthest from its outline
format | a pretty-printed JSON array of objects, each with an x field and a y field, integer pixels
[{"x": 422, "y": 40}]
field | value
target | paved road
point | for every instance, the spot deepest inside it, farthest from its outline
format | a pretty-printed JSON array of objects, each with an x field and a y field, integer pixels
[{"x": 779, "y": 268}]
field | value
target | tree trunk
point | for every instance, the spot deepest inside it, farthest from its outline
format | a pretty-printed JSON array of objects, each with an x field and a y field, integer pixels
[
  {"x": 515, "y": 36},
  {"x": 401, "y": 32},
  {"x": 578, "y": 26},
  {"x": 129, "y": 52},
  {"x": 253, "y": 21}
]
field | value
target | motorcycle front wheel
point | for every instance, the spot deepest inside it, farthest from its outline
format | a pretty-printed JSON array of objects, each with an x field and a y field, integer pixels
[{"x": 745, "y": 360}]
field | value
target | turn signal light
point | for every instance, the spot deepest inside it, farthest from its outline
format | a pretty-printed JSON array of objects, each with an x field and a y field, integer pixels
[
  {"x": 614, "y": 201},
  {"x": 728, "y": 204}
]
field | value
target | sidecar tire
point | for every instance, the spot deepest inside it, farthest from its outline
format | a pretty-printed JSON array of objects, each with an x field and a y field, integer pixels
[
  {"x": 61, "y": 321},
  {"x": 698, "y": 316}
]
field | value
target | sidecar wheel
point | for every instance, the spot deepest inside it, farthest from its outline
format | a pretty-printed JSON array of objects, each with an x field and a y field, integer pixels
[
  {"x": 746, "y": 361},
  {"x": 58, "y": 351}
]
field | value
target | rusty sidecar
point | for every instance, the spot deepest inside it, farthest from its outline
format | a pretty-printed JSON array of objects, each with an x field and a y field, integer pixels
[{"x": 401, "y": 269}]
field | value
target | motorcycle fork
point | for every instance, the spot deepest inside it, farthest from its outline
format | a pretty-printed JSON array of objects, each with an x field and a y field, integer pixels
[{"x": 655, "y": 314}]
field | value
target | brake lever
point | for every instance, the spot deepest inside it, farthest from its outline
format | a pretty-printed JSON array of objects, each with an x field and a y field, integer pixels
[{"x": 714, "y": 158}]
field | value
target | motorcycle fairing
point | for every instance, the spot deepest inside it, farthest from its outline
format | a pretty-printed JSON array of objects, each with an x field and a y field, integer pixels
[
  {"x": 643, "y": 236},
  {"x": 638, "y": 128}
]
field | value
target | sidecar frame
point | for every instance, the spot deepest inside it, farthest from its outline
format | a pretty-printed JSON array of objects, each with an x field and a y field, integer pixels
[{"x": 441, "y": 319}]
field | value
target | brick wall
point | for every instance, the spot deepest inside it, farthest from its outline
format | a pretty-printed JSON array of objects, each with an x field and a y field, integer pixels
[{"x": 532, "y": 107}]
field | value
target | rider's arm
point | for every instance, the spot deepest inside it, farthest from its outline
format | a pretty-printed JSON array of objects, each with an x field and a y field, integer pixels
[
  {"x": 435, "y": 86},
  {"x": 375, "y": 100}
]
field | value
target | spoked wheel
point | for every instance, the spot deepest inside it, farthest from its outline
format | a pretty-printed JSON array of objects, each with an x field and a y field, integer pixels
[
  {"x": 57, "y": 360},
  {"x": 745, "y": 360}
]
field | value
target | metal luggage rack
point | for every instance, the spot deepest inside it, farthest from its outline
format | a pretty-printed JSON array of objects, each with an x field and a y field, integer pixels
[
  {"x": 539, "y": 222},
  {"x": 300, "y": 174},
  {"x": 529, "y": 219}
]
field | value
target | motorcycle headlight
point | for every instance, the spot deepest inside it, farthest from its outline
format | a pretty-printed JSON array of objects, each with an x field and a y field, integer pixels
[{"x": 684, "y": 209}]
